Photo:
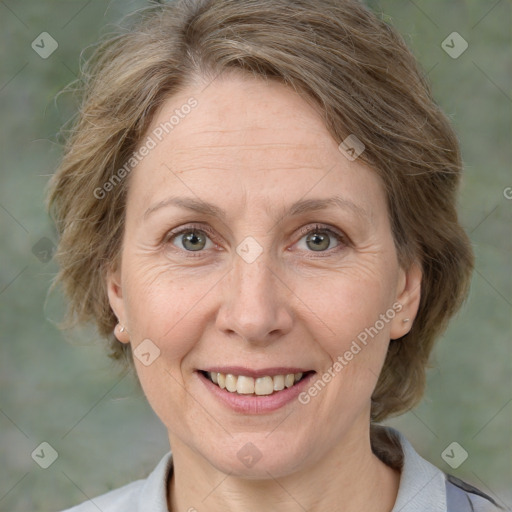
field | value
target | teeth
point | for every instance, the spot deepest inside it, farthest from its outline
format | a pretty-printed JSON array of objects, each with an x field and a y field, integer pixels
[
  {"x": 231, "y": 382},
  {"x": 278, "y": 382},
  {"x": 245, "y": 385},
  {"x": 264, "y": 386},
  {"x": 261, "y": 386}
]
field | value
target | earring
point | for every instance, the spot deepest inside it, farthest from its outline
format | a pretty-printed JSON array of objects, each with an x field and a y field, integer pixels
[
  {"x": 121, "y": 329},
  {"x": 405, "y": 320}
]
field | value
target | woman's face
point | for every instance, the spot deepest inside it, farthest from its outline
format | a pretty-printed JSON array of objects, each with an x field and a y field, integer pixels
[{"x": 284, "y": 262}]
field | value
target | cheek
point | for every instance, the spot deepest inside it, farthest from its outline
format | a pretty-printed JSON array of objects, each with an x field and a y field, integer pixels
[
  {"x": 348, "y": 303},
  {"x": 355, "y": 311},
  {"x": 158, "y": 301},
  {"x": 355, "y": 316},
  {"x": 157, "y": 308},
  {"x": 170, "y": 308}
]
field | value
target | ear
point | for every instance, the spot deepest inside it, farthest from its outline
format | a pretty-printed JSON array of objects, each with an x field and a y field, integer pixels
[
  {"x": 408, "y": 295},
  {"x": 115, "y": 298}
]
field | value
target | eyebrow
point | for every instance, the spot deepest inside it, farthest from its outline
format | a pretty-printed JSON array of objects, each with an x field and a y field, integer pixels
[{"x": 297, "y": 208}]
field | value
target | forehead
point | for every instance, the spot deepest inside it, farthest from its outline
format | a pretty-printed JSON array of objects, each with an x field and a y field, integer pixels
[
  {"x": 243, "y": 114},
  {"x": 261, "y": 138}
]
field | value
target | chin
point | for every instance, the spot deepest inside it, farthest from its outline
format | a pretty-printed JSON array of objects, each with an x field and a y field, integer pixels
[{"x": 257, "y": 457}]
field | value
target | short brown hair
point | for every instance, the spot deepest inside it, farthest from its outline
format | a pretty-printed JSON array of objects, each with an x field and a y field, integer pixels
[{"x": 341, "y": 57}]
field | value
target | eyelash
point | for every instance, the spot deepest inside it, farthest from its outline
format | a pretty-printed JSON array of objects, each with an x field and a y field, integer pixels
[{"x": 341, "y": 238}]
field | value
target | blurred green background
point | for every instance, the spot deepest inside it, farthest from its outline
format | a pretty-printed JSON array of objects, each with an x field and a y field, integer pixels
[{"x": 67, "y": 392}]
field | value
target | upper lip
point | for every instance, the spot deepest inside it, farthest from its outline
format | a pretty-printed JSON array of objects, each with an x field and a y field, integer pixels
[{"x": 255, "y": 373}]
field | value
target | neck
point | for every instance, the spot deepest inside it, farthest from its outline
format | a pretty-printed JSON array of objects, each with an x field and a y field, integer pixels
[{"x": 350, "y": 474}]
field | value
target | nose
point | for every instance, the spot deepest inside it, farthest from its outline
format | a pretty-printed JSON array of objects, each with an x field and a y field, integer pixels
[{"x": 256, "y": 303}]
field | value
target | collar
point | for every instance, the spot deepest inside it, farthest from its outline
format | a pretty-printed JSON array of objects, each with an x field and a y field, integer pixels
[
  {"x": 153, "y": 494},
  {"x": 422, "y": 485}
]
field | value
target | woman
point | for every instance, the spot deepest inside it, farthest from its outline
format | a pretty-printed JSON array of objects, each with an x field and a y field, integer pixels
[{"x": 257, "y": 209}]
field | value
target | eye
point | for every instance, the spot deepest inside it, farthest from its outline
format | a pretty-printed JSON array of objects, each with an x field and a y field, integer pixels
[
  {"x": 189, "y": 238},
  {"x": 195, "y": 239},
  {"x": 320, "y": 239}
]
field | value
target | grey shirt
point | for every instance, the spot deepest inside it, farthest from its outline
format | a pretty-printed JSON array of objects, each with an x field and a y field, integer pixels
[{"x": 422, "y": 489}]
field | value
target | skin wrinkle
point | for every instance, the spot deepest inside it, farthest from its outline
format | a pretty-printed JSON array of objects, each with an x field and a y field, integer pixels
[
  {"x": 302, "y": 206},
  {"x": 358, "y": 234},
  {"x": 286, "y": 308},
  {"x": 279, "y": 164}
]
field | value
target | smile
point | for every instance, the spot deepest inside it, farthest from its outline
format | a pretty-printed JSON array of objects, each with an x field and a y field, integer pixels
[
  {"x": 260, "y": 386},
  {"x": 245, "y": 390}
]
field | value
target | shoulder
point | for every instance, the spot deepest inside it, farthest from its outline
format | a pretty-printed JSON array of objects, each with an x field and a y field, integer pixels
[
  {"x": 462, "y": 496},
  {"x": 119, "y": 499},
  {"x": 135, "y": 496},
  {"x": 424, "y": 486}
]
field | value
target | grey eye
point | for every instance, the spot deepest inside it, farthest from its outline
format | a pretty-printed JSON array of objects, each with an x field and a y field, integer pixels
[
  {"x": 192, "y": 239},
  {"x": 318, "y": 241}
]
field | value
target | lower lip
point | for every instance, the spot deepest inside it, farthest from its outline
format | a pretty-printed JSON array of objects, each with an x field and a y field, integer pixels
[{"x": 254, "y": 404}]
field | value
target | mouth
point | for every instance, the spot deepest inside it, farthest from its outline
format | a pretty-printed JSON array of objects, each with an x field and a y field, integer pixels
[{"x": 263, "y": 385}]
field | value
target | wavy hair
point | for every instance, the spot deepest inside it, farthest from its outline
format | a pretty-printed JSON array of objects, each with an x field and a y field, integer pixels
[{"x": 343, "y": 58}]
